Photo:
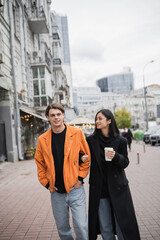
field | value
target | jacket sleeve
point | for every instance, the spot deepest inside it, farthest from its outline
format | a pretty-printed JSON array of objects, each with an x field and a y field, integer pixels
[
  {"x": 121, "y": 157},
  {"x": 84, "y": 149},
  {"x": 41, "y": 166}
]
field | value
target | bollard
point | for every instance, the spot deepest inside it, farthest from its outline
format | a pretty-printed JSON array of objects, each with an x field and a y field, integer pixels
[
  {"x": 137, "y": 157},
  {"x": 144, "y": 147}
]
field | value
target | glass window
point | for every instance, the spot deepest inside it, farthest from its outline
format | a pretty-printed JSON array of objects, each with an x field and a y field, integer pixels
[
  {"x": 44, "y": 101},
  {"x": 16, "y": 15},
  {"x": 36, "y": 87},
  {"x": 43, "y": 87},
  {"x": 36, "y": 102},
  {"x": 35, "y": 72},
  {"x": 41, "y": 72}
]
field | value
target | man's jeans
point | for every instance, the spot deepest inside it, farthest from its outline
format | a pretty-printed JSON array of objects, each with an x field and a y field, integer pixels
[
  {"x": 105, "y": 221},
  {"x": 76, "y": 201}
]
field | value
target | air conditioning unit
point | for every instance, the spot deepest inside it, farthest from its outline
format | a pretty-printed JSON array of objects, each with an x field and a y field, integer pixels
[
  {"x": 1, "y": 58},
  {"x": 36, "y": 54}
]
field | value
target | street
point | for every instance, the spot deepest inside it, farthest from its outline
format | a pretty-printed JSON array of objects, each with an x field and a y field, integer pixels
[{"x": 25, "y": 209}]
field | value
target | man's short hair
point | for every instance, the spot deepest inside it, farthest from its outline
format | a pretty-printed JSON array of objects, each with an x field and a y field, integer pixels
[{"x": 54, "y": 106}]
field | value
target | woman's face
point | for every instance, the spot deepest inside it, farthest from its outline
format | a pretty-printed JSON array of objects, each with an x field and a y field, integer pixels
[{"x": 102, "y": 122}]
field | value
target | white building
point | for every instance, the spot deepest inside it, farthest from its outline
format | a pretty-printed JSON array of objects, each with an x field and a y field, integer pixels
[
  {"x": 87, "y": 101},
  {"x": 8, "y": 143},
  {"x": 62, "y": 24},
  {"x": 28, "y": 71},
  {"x": 62, "y": 85}
]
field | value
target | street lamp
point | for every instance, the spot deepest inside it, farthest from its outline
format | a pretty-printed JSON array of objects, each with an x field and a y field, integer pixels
[{"x": 145, "y": 92}]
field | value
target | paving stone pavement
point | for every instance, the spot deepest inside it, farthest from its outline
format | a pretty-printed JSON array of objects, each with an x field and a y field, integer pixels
[{"x": 25, "y": 209}]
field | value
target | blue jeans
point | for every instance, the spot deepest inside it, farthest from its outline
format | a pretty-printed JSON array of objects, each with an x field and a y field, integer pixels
[
  {"x": 76, "y": 201},
  {"x": 105, "y": 221}
]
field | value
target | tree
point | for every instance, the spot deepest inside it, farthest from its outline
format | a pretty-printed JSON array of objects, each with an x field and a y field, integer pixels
[{"x": 123, "y": 118}]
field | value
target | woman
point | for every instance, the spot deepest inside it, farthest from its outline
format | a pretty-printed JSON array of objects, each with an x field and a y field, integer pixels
[{"x": 110, "y": 202}]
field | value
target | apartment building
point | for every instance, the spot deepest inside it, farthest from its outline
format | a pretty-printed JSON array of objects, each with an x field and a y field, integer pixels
[
  {"x": 8, "y": 141},
  {"x": 62, "y": 24},
  {"x": 87, "y": 101},
  {"x": 61, "y": 79},
  {"x": 31, "y": 76}
]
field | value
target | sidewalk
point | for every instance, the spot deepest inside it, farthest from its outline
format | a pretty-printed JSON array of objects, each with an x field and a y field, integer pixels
[{"x": 25, "y": 209}]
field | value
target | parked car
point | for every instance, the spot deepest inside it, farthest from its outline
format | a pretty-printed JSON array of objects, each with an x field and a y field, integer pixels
[
  {"x": 150, "y": 131},
  {"x": 155, "y": 138}
]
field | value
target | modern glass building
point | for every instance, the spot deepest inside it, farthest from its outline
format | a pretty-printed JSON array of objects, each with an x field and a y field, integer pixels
[{"x": 121, "y": 83}]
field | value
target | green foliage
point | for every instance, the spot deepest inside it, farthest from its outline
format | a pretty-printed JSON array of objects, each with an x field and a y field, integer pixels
[{"x": 123, "y": 118}]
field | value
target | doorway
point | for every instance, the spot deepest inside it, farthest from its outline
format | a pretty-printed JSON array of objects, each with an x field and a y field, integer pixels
[{"x": 3, "y": 152}]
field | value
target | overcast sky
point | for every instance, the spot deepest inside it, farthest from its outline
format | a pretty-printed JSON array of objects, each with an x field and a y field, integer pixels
[{"x": 107, "y": 35}]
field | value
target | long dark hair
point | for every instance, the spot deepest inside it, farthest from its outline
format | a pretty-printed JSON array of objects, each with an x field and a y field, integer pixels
[{"x": 113, "y": 129}]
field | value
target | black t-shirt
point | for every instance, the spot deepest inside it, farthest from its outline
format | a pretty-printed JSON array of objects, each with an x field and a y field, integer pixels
[{"x": 58, "y": 140}]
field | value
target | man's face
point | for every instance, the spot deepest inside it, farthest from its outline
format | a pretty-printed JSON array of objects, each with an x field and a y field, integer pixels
[{"x": 56, "y": 118}]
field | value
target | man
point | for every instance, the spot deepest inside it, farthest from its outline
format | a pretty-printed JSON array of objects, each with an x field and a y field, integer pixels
[{"x": 59, "y": 169}]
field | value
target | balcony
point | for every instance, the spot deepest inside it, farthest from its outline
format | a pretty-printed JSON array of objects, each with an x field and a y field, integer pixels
[
  {"x": 37, "y": 21},
  {"x": 57, "y": 64},
  {"x": 55, "y": 34}
]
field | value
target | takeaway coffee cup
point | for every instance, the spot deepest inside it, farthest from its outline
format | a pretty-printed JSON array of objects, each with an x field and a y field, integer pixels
[{"x": 106, "y": 149}]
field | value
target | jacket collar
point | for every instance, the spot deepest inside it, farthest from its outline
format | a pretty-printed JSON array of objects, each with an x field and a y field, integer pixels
[{"x": 70, "y": 131}]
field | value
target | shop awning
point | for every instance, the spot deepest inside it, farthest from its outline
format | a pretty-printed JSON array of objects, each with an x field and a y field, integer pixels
[{"x": 32, "y": 111}]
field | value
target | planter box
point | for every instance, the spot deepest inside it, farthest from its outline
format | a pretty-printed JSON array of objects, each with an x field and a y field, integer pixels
[{"x": 28, "y": 155}]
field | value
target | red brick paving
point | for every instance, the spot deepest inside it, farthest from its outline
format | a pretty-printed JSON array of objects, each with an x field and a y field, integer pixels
[{"x": 25, "y": 209}]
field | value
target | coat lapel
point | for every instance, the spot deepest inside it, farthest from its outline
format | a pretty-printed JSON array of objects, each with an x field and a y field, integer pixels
[
  {"x": 68, "y": 141},
  {"x": 68, "y": 144}
]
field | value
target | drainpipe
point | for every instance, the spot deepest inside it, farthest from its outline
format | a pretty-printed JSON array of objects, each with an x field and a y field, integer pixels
[
  {"x": 25, "y": 54},
  {"x": 17, "y": 112}
]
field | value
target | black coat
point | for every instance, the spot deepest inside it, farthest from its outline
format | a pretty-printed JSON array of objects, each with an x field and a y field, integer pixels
[
  {"x": 129, "y": 137},
  {"x": 119, "y": 192}
]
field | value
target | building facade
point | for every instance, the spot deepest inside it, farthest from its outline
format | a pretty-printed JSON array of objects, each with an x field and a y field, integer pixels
[
  {"x": 8, "y": 140},
  {"x": 62, "y": 24},
  {"x": 87, "y": 101},
  {"x": 30, "y": 75}
]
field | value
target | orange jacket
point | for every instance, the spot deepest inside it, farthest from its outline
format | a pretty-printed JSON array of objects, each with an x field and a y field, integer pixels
[{"x": 75, "y": 143}]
